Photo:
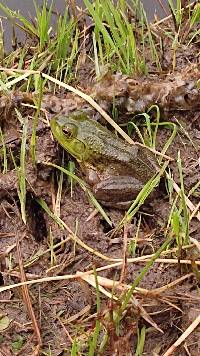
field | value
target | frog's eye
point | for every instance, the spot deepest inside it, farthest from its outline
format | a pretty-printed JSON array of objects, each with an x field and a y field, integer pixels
[{"x": 69, "y": 131}]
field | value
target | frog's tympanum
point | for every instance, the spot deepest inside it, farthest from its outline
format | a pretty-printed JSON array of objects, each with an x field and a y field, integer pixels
[{"x": 115, "y": 170}]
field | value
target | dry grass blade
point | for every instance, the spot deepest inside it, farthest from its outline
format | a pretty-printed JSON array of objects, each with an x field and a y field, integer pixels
[
  {"x": 17, "y": 80},
  {"x": 170, "y": 285},
  {"x": 176, "y": 261},
  {"x": 117, "y": 285},
  {"x": 11, "y": 71},
  {"x": 72, "y": 235},
  {"x": 65, "y": 330},
  {"x": 76, "y": 316},
  {"x": 82, "y": 274},
  {"x": 83, "y": 185},
  {"x": 91, "y": 280},
  {"x": 195, "y": 211},
  {"x": 190, "y": 205},
  {"x": 104, "y": 282},
  {"x": 26, "y": 297},
  {"x": 182, "y": 338},
  {"x": 103, "y": 113},
  {"x": 87, "y": 248},
  {"x": 196, "y": 243}
]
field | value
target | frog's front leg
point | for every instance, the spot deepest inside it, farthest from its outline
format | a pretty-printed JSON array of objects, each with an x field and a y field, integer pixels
[{"x": 117, "y": 191}]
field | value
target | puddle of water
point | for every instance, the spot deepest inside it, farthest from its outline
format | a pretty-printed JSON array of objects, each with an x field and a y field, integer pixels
[{"x": 27, "y": 9}]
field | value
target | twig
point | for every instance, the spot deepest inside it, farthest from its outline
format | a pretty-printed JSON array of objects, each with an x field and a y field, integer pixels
[{"x": 65, "y": 330}]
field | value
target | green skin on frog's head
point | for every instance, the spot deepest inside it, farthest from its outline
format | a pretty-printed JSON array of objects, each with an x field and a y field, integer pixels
[
  {"x": 67, "y": 131},
  {"x": 115, "y": 170}
]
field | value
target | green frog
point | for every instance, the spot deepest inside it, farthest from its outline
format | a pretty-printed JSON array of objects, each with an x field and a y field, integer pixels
[{"x": 115, "y": 170}]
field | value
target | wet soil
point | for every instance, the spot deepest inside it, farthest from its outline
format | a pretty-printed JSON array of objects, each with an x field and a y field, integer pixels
[{"x": 65, "y": 310}]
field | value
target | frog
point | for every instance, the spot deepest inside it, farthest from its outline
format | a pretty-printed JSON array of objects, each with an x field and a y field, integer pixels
[{"x": 115, "y": 170}]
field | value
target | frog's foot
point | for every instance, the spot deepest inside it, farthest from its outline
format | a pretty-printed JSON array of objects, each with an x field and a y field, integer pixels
[
  {"x": 117, "y": 191},
  {"x": 117, "y": 205}
]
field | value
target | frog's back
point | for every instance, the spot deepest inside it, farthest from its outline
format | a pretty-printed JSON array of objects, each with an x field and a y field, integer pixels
[{"x": 106, "y": 148}]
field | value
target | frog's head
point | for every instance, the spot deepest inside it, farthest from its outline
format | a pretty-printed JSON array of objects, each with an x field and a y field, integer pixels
[{"x": 68, "y": 132}]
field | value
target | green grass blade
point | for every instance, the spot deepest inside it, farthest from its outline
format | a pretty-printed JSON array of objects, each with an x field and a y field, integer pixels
[
  {"x": 14, "y": 15},
  {"x": 93, "y": 342},
  {"x": 35, "y": 122},
  {"x": 195, "y": 19},
  {"x": 84, "y": 187},
  {"x": 130, "y": 126},
  {"x": 43, "y": 23},
  {"x": 142, "y": 196},
  {"x": 170, "y": 139},
  {"x": 22, "y": 172},
  {"x": 75, "y": 348},
  {"x": 2, "y": 52},
  {"x": 16, "y": 80},
  {"x": 59, "y": 195},
  {"x": 106, "y": 35},
  {"x": 3, "y": 149},
  {"x": 139, "y": 278},
  {"x": 155, "y": 107},
  {"x": 141, "y": 340},
  {"x": 54, "y": 217},
  {"x": 183, "y": 200}
]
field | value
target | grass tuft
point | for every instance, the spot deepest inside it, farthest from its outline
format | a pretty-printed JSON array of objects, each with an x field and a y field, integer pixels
[{"x": 114, "y": 35}]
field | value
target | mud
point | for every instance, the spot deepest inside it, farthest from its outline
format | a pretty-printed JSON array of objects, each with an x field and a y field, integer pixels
[{"x": 66, "y": 310}]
